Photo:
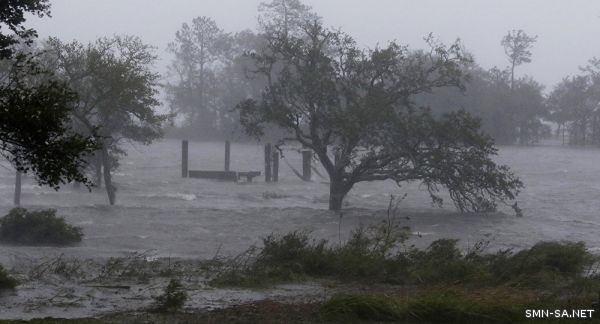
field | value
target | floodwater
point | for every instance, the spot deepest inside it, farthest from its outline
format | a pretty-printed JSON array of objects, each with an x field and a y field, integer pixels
[
  {"x": 158, "y": 210},
  {"x": 161, "y": 214}
]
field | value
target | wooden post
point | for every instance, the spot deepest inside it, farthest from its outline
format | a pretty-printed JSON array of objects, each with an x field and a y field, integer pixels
[
  {"x": 268, "y": 153},
  {"x": 184, "y": 159},
  {"x": 275, "y": 166},
  {"x": 18, "y": 189},
  {"x": 227, "y": 155},
  {"x": 306, "y": 163}
]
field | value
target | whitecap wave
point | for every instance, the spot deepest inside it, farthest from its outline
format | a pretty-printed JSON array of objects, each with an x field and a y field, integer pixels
[{"x": 177, "y": 195}]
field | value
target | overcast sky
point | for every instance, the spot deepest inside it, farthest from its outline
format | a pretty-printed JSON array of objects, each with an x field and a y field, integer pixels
[{"x": 567, "y": 30}]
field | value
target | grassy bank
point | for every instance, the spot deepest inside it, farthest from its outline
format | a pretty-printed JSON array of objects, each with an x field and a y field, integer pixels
[{"x": 376, "y": 277}]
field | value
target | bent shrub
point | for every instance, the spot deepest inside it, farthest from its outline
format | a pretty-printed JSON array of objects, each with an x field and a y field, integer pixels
[
  {"x": 172, "y": 299},
  {"x": 6, "y": 281},
  {"x": 40, "y": 227}
]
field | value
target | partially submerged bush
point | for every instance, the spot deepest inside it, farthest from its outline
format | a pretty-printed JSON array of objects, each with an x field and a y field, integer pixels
[
  {"x": 295, "y": 256},
  {"x": 544, "y": 263},
  {"x": 41, "y": 227},
  {"x": 373, "y": 257},
  {"x": 6, "y": 281},
  {"x": 368, "y": 254},
  {"x": 172, "y": 299}
]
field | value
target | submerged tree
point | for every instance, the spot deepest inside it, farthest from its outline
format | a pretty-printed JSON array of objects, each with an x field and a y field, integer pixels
[
  {"x": 35, "y": 107},
  {"x": 354, "y": 108},
  {"x": 117, "y": 95}
]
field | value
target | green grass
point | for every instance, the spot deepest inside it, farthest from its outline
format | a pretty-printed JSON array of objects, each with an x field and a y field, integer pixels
[{"x": 449, "y": 305}]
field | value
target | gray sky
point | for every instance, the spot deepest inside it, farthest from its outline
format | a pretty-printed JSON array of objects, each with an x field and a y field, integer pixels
[{"x": 567, "y": 29}]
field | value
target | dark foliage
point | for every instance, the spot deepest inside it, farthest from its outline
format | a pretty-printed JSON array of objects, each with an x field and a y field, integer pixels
[
  {"x": 41, "y": 227},
  {"x": 371, "y": 255},
  {"x": 34, "y": 131},
  {"x": 6, "y": 281},
  {"x": 34, "y": 108},
  {"x": 172, "y": 299},
  {"x": 12, "y": 16}
]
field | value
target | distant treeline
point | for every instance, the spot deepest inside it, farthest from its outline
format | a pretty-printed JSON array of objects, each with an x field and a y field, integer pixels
[{"x": 213, "y": 71}]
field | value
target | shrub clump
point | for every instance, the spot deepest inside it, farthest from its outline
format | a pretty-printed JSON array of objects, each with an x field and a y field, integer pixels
[
  {"x": 6, "y": 281},
  {"x": 172, "y": 299},
  {"x": 546, "y": 263},
  {"x": 377, "y": 255},
  {"x": 40, "y": 227}
]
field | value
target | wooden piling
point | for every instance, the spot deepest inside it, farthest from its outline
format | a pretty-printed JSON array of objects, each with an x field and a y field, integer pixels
[
  {"x": 306, "y": 163},
  {"x": 17, "y": 199},
  {"x": 268, "y": 152},
  {"x": 184, "y": 159},
  {"x": 227, "y": 155},
  {"x": 275, "y": 166}
]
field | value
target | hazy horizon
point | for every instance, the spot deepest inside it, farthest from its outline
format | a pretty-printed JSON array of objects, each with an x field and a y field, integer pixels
[{"x": 566, "y": 31}]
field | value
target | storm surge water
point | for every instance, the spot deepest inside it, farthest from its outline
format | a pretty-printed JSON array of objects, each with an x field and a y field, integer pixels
[{"x": 157, "y": 210}]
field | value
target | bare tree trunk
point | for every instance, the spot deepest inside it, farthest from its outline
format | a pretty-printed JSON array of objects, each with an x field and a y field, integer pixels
[
  {"x": 110, "y": 189},
  {"x": 337, "y": 192},
  {"x": 17, "y": 198},
  {"x": 98, "y": 167}
]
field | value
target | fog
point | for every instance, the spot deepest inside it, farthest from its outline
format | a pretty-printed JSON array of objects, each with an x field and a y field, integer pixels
[
  {"x": 226, "y": 163},
  {"x": 567, "y": 30}
]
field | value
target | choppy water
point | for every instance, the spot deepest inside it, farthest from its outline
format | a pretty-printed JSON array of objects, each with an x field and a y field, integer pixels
[{"x": 190, "y": 218}]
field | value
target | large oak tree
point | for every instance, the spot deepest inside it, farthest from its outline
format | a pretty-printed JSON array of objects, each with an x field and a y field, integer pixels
[{"x": 355, "y": 109}]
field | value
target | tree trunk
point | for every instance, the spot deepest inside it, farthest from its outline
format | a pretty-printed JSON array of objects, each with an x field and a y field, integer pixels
[
  {"x": 337, "y": 192},
  {"x": 17, "y": 197},
  {"x": 524, "y": 134},
  {"x": 98, "y": 167},
  {"x": 110, "y": 189}
]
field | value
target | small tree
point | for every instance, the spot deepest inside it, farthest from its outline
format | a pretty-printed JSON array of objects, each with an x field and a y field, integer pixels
[
  {"x": 285, "y": 16},
  {"x": 517, "y": 46},
  {"x": 117, "y": 95},
  {"x": 354, "y": 109}
]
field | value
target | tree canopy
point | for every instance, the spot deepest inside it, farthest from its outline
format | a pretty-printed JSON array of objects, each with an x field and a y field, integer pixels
[
  {"x": 118, "y": 94},
  {"x": 35, "y": 107},
  {"x": 355, "y": 109}
]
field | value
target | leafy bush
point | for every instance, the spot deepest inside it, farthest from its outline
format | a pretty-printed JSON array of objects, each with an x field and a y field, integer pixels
[
  {"x": 6, "y": 281},
  {"x": 377, "y": 254},
  {"x": 21, "y": 226},
  {"x": 544, "y": 264},
  {"x": 172, "y": 299},
  {"x": 294, "y": 256},
  {"x": 373, "y": 257}
]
